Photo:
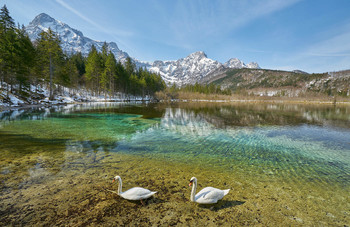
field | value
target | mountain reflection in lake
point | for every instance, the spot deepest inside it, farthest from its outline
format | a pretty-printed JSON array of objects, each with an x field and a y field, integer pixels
[{"x": 259, "y": 150}]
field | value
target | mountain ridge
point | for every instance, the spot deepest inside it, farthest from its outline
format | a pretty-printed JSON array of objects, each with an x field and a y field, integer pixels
[
  {"x": 187, "y": 70},
  {"x": 268, "y": 82},
  {"x": 193, "y": 68},
  {"x": 72, "y": 40}
]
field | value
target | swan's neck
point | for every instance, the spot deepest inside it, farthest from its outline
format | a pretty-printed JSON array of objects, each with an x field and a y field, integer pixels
[
  {"x": 194, "y": 188},
  {"x": 120, "y": 186}
]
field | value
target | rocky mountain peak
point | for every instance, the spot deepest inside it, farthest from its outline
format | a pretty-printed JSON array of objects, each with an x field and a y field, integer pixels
[
  {"x": 197, "y": 55},
  {"x": 252, "y": 65},
  {"x": 41, "y": 19},
  {"x": 234, "y": 63}
]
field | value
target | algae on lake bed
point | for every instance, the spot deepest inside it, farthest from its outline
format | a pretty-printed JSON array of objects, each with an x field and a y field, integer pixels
[{"x": 74, "y": 190}]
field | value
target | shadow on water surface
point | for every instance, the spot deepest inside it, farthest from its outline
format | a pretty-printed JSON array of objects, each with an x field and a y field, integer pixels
[
  {"x": 222, "y": 204},
  {"x": 147, "y": 202}
]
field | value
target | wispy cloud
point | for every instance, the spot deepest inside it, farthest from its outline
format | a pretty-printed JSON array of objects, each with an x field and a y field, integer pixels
[
  {"x": 196, "y": 21},
  {"x": 248, "y": 11},
  {"x": 330, "y": 54},
  {"x": 76, "y": 12},
  {"x": 336, "y": 46},
  {"x": 93, "y": 23}
]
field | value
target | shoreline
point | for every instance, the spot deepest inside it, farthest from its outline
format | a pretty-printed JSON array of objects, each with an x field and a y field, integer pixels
[
  {"x": 48, "y": 105},
  {"x": 261, "y": 101},
  {"x": 268, "y": 101},
  {"x": 273, "y": 101}
]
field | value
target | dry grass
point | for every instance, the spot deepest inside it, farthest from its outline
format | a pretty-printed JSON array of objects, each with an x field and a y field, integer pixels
[{"x": 311, "y": 98}]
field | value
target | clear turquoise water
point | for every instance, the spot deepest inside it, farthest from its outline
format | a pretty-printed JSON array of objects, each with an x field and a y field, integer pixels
[{"x": 295, "y": 143}]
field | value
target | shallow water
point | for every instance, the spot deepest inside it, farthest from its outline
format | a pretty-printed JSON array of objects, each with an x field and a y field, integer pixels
[{"x": 286, "y": 164}]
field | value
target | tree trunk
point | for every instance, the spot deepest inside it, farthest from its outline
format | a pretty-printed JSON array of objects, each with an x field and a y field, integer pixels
[
  {"x": 110, "y": 86},
  {"x": 7, "y": 88},
  {"x": 51, "y": 92}
]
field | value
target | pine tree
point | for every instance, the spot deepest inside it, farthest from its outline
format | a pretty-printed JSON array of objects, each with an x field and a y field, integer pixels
[
  {"x": 50, "y": 56},
  {"x": 109, "y": 74},
  {"x": 7, "y": 46},
  {"x": 130, "y": 66},
  {"x": 104, "y": 53},
  {"x": 69, "y": 74},
  {"x": 134, "y": 84},
  {"x": 103, "y": 80},
  {"x": 6, "y": 21},
  {"x": 79, "y": 62},
  {"x": 24, "y": 58},
  {"x": 93, "y": 69},
  {"x": 121, "y": 78}
]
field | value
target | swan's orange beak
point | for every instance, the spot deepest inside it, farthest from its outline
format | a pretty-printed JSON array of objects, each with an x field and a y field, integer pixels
[
  {"x": 190, "y": 184},
  {"x": 113, "y": 180}
]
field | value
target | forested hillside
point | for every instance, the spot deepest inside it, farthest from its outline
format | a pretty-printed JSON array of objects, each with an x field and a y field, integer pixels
[
  {"x": 25, "y": 65},
  {"x": 281, "y": 83}
]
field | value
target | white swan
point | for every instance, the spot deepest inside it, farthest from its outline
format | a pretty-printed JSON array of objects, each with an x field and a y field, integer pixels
[
  {"x": 207, "y": 195},
  {"x": 136, "y": 193}
]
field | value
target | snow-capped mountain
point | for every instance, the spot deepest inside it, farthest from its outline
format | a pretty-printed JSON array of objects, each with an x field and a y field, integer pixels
[
  {"x": 252, "y": 65},
  {"x": 193, "y": 68},
  {"x": 238, "y": 64},
  {"x": 234, "y": 63},
  {"x": 72, "y": 40},
  {"x": 188, "y": 70}
]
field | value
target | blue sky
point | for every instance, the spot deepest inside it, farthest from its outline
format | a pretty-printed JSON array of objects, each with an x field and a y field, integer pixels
[{"x": 311, "y": 35}]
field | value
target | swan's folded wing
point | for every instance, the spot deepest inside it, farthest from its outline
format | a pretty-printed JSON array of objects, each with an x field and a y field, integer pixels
[
  {"x": 209, "y": 195},
  {"x": 137, "y": 193}
]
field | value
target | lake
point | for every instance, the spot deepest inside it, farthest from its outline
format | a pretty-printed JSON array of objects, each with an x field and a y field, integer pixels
[{"x": 286, "y": 164}]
